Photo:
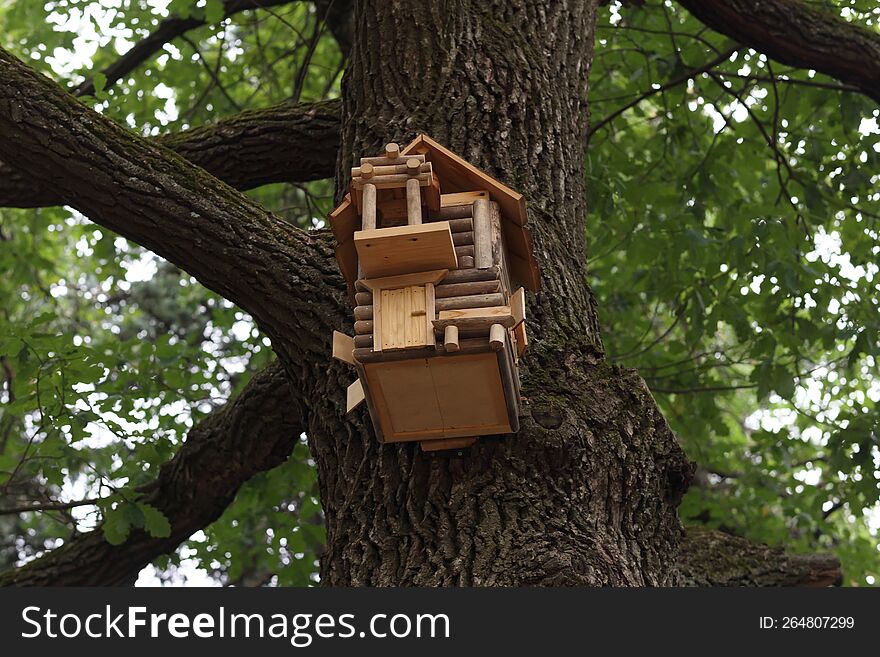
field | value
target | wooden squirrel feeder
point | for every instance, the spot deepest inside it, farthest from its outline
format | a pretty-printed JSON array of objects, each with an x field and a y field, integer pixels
[{"x": 436, "y": 255}]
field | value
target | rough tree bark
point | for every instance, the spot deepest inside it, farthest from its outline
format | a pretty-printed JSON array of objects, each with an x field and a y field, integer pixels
[
  {"x": 282, "y": 143},
  {"x": 586, "y": 492}
]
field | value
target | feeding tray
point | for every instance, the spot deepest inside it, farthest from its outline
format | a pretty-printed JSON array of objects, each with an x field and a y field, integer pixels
[{"x": 441, "y": 397}]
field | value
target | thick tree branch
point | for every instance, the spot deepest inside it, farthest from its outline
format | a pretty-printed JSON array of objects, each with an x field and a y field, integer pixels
[
  {"x": 284, "y": 277},
  {"x": 251, "y": 434},
  {"x": 709, "y": 557},
  {"x": 282, "y": 143},
  {"x": 798, "y": 34},
  {"x": 168, "y": 30}
]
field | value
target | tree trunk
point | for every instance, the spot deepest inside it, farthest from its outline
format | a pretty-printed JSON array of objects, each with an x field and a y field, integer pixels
[{"x": 586, "y": 493}]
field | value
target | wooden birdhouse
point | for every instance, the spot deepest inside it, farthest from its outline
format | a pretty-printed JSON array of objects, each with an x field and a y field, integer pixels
[{"x": 437, "y": 256}]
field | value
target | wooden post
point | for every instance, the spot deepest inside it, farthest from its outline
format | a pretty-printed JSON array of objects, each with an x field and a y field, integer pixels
[
  {"x": 496, "y": 337},
  {"x": 482, "y": 235},
  {"x": 369, "y": 203},
  {"x": 450, "y": 338},
  {"x": 413, "y": 202},
  {"x": 392, "y": 151}
]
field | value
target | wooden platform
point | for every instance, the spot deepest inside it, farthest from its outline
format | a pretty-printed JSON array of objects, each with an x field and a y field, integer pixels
[{"x": 405, "y": 249}]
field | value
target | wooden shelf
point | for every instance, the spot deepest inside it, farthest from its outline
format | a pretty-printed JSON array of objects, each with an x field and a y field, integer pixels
[{"x": 405, "y": 249}]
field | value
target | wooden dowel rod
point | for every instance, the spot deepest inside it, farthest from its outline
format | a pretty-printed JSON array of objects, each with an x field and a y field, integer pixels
[
  {"x": 463, "y": 239},
  {"x": 446, "y": 291},
  {"x": 388, "y": 169},
  {"x": 468, "y": 275},
  {"x": 369, "y": 205},
  {"x": 392, "y": 150},
  {"x": 450, "y": 338},
  {"x": 496, "y": 336},
  {"x": 466, "y": 262},
  {"x": 363, "y": 312},
  {"x": 381, "y": 160},
  {"x": 413, "y": 202},
  {"x": 363, "y": 327},
  {"x": 466, "y": 250},
  {"x": 467, "y": 332},
  {"x": 453, "y": 212},
  {"x": 470, "y": 301},
  {"x": 361, "y": 341},
  {"x": 392, "y": 180},
  {"x": 461, "y": 225},
  {"x": 482, "y": 234}
]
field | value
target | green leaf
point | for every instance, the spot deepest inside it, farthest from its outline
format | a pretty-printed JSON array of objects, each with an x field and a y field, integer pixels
[
  {"x": 214, "y": 11},
  {"x": 155, "y": 522}
]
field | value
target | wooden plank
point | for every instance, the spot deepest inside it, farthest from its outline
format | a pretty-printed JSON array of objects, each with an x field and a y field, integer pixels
[
  {"x": 466, "y": 289},
  {"x": 471, "y": 301},
  {"x": 431, "y": 195},
  {"x": 459, "y": 175},
  {"x": 466, "y": 262},
  {"x": 354, "y": 396},
  {"x": 475, "y": 345},
  {"x": 522, "y": 339},
  {"x": 462, "y": 198},
  {"x": 518, "y": 305},
  {"x": 446, "y": 444},
  {"x": 344, "y": 220},
  {"x": 376, "y": 324},
  {"x": 343, "y": 346},
  {"x": 347, "y": 258},
  {"x": 404, "y": 397},
  {"x": 476, "y": 318},
  {"x": 405, "y": 249},
  {"x": 404, "y": 280},
  {"x": 470, "y": 394},
  {"x": 510, "y": 384},
  {"x": 482, "y": 235},
  {"x": 430, "y": 314}
]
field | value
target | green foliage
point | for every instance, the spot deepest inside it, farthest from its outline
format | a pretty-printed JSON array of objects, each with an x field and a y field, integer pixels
[
  {"x": 733, "y": 231},
  {"x": 733, "y": 249},
  {"x": 111, "y": 354}
]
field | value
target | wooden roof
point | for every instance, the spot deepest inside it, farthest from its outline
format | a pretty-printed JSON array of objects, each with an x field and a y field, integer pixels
[{"x": 455, "y": 175}]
